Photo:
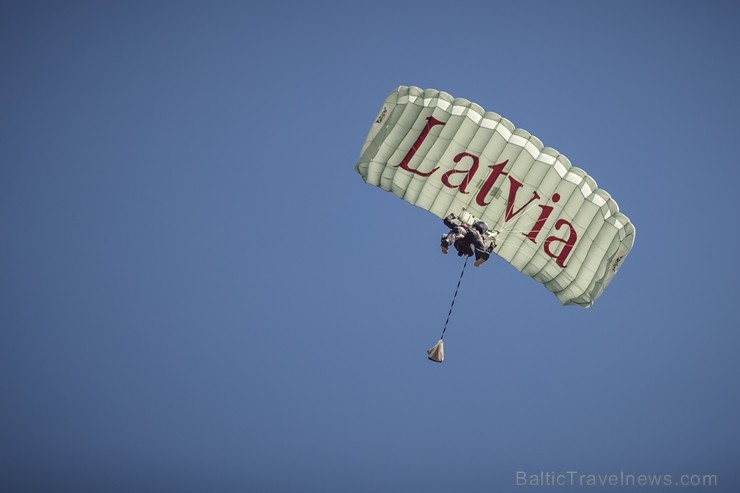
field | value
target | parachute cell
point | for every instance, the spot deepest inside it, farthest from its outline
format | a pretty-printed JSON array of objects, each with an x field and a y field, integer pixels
[{"x": 449, "y": 155}]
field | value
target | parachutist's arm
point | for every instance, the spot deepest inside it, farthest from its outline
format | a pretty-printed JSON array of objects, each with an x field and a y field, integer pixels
[
  {"x": 491, "y": 246},
  {"x": 450, "y": 221}
]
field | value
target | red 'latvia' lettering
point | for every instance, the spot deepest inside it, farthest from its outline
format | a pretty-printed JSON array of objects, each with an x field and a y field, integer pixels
[
  {"x": 462, "y": 187},
  {"x": 572, "y": 236},
  {"x": 513, "y": 189},
  {"x": 404, "y": 164},
  {"x": 546, "y": 211},
  {"x": 497, "y": 172}
]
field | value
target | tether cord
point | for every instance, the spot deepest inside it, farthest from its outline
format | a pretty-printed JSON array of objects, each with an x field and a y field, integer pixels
[{"x": 453, "y": 297}]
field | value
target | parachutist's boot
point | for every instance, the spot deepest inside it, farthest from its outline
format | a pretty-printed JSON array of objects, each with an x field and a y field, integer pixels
[{"x": 445, "y": 244}]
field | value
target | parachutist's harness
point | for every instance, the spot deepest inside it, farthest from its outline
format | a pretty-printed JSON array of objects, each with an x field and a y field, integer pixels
[
  {"x": 467, "y": 250},
  {"x": 473, "y": 240}
]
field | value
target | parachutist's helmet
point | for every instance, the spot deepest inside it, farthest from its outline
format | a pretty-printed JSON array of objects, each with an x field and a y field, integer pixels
[{"x": 481, "y": 226}]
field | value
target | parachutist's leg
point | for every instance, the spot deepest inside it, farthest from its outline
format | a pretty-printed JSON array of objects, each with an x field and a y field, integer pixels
[
  {"x": 450, "y": 221},
  {"x": 481, "y": 259},
  {"x": 450, "y": 238},
  {"x": 445, "y": 243}
]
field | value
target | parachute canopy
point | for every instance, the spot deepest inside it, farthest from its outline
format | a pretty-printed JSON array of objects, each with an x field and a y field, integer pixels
[{"x": 449, "y": 155}]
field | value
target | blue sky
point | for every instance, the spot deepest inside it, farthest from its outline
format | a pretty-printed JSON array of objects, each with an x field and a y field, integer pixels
[{"x": 199, "y": 293}]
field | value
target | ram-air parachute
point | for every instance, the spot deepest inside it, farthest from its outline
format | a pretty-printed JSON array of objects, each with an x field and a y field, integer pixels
[{"x": 449, "y": 155}]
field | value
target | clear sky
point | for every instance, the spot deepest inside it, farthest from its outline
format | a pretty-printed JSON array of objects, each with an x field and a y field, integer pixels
[{"x": 199, "y": 293}]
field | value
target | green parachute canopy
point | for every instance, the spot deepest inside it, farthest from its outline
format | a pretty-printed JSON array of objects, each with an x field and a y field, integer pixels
[{"x": 449, "y": 155}]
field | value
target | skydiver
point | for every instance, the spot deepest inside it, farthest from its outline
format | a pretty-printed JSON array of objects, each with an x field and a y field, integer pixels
[{"x": 467, "y": 240}]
